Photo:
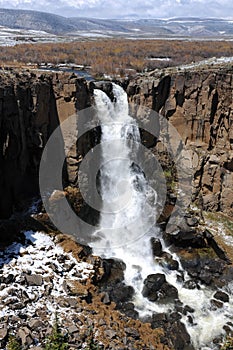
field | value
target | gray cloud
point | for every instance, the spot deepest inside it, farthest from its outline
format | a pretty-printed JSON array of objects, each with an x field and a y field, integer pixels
[{"x": 125, "y": 8}]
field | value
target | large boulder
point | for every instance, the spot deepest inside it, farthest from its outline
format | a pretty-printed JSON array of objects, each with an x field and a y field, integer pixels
[
  {"x": 156, "y": 247},
  {"x": 156, "y": 288}
]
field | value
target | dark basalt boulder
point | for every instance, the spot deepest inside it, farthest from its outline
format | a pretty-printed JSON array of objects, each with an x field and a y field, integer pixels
[
  {"x": 204, "y": 266},
  {"x": 216, "y": 304},
  {"x": 114, "y": 289},
  {"x": 157, "y": 289},
  {"x": 167, "y": 293},
  {"x": 179, "y": 336},
  {"x": 128, "y": 309},
  {"x": 166, "y": 260},
  {"x": 156, "y": 247},
  {"x": 191, "y": 284},
  {"x": 121, "y": 293},
  {"x": 184, "y": 232},
  {"x": 158, "y": 320},
  {"x": 219, "y": 295},
  {"x": 113, "y": 271},
  {"x": 152, "y": 285},
  {"x": 188, "y": 238}
]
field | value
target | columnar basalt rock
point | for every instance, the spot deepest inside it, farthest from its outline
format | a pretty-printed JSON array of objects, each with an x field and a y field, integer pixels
[
  {"x": 74, "y": 96},
  {"x": 199, "y": 105},
  {"x": 28, "y": 115},
  {"x": 32, "y": 106}
]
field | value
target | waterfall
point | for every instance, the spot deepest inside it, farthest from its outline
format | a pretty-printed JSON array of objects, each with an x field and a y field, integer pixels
[
  {"x": 127, "y": 223},
  {"x": 128, "y": 201}
]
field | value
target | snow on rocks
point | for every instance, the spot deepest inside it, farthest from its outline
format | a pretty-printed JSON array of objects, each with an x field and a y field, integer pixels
[
  {"x": 35, "y": 279},
  {"x": 53, "y": 275},
  {"x": 35, "y": 268}
]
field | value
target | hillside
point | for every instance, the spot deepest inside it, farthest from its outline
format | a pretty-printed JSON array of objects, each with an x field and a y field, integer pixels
[
  {"x": 182, "y": 27},
  {"x": 34, "y": 20}
]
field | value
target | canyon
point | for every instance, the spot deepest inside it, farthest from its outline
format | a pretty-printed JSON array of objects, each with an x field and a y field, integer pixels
[{"x": 198, "y": 104}]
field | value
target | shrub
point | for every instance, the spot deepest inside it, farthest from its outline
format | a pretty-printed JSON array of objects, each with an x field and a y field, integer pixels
[
  {"x": 13, "y": 343},
  {"x": 56, "y": 341}
]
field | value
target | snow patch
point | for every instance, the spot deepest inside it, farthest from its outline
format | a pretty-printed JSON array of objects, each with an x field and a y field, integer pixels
[{"x": 39, "y": 256}]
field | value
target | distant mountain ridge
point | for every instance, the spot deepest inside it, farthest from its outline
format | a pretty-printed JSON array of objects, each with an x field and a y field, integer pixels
[
  {"x": 33, "y": 20},
  {"x": 59, "y": 25}
]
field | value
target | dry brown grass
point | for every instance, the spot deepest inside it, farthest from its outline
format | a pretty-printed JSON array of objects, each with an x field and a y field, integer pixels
[{"x": 116, "y": 56}]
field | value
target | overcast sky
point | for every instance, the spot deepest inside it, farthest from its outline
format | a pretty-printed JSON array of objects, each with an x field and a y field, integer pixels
[{"x": 127, "y": 8}]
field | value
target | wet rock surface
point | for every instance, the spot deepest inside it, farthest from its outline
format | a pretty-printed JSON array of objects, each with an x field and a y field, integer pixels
[
  {"x": 180, "y": 339},
  {"x": 114, "y": 288},
  {"x": 205, "y": 267},
  {"x": 156, "y": 247},
  {"x": 156, "y": 288}
]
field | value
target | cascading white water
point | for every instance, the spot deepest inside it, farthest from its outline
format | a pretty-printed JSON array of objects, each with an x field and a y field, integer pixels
[
  {"x": 126, "y": 195},
  {"x": 127, "y": 222}
]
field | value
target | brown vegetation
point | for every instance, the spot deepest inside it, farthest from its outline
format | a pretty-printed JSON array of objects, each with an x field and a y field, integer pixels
[{"x": 116, "y": 56}]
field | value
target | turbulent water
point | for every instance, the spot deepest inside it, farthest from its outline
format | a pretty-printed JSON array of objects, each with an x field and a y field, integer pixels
[{"x": 127, "y": 222}]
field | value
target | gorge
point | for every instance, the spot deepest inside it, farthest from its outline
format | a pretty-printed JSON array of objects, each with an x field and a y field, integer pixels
[
  {"x": 157, "y": 282},
  {"x": 187, "y": 253}
]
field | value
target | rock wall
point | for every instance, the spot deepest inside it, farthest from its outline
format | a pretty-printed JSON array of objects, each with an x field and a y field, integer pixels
[
  {"x": 199, "y": 105},
  {"x": 73, "y": 95},
  {"x": 28, "y": 115},
  {"x": 31, "y": 107}
]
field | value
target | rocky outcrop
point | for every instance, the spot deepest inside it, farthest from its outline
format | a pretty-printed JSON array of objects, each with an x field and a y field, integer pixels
[
  {"x": 199, "y": 105},
  {"x": 28, "y": 115},
  {"x": 73, "y": 97},
  {"x": 156, "y": 288},
  {"x": 31, "y": 107}
]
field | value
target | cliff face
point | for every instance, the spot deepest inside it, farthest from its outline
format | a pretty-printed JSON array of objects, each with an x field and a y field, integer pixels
[
  {"x": 199, "y": 105},
  {"x": 31, "y": 107},
  {"x": 28, "y": 115}
]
